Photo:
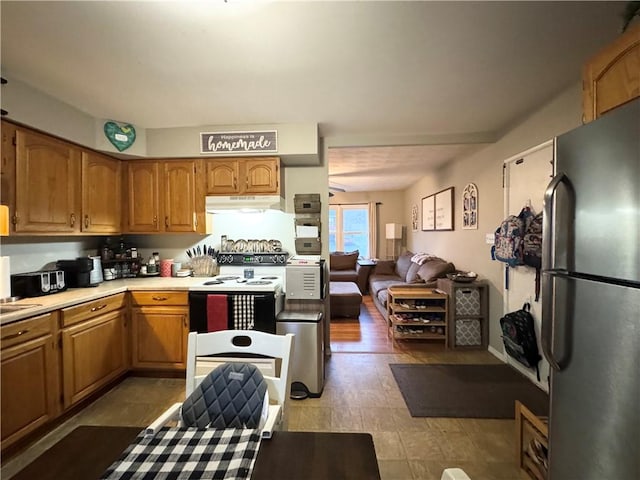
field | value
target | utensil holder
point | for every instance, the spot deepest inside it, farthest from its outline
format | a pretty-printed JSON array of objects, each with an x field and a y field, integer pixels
[{"x": 204, "y": 266}]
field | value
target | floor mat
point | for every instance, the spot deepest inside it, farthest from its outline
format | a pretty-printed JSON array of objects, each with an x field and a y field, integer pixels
[{"x": 472, "y": 391}]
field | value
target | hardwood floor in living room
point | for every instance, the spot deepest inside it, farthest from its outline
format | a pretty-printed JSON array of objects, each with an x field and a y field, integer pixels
[{"x": 360, "y": 395}]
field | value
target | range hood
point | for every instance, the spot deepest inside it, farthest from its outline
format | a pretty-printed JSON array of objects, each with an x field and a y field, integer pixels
[{"x": 248, "y": 203}]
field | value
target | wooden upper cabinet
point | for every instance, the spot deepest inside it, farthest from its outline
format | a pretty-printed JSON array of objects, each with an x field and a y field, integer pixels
[
  {"x": 165, "y": 196},
  {"x": 47, "y": 185},
  {"x": 612, "y": 77},
  {"x": 262, "y": 175},
  {"x": 180, "y": 196},
  {"x": 242, "y": 176},
  {"x": 101, "y": 193},
  {"x": 8, "y": 167},
  {"x": 143, "y": 197},
  {"x": 223, "y": 177}
]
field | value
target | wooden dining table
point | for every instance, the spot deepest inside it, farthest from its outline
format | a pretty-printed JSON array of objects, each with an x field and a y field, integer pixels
[
  {"x": 316, "y": 456},
  {"x": 87, "y": 451}
]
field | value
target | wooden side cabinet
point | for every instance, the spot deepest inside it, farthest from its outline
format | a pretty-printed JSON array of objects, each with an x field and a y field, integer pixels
[
  {"x": 468, "y": 313},
  {"x": 160, "y": 326},
  {"x": 417, "y": 313},
  {"x": 94, "y": 346},
  {"x": 29, "y": 372},
  {"x": 612, "y": 77},
  {"x": 532, "y": 443}
]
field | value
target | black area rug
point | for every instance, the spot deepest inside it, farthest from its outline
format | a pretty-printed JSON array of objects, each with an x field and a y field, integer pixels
[
  {"x": 473, "y": 391},
  {"x": 84, "y": 454}
]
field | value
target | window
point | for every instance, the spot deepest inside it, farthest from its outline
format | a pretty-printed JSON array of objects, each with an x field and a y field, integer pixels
[{"x": 349, "y": 228}]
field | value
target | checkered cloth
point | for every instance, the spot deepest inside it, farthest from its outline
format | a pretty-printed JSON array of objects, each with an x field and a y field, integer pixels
[
  {"x": 243, "y": 316},
  {"x": 188, "y": 453}
]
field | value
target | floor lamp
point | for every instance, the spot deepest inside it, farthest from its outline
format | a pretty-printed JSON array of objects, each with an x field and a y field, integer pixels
[{"x": 393, "y": 234}]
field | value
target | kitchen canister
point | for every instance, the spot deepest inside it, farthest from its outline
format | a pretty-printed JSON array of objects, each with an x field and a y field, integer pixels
[
  {"x": 165, "y": 267},
  {"x": 175, "y": 266}
]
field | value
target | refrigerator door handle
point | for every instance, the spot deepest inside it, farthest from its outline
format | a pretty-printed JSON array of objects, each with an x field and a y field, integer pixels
[
  {"x": 548, "y": 321},
  {"x": 549, "y": 248}
]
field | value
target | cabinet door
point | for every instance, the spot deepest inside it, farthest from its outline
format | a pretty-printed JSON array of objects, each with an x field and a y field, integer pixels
[
  {"x": 180, "y": 196},
  {"x": 29, "y": 378},
  {"x": 143, "y": 197},
  {"x": 93, "y": 353},
  {"x": 222, "y": 177},
  {"x": 160, "y": 337},
  {"x": 101, "y": 193},
  {"x": 262, "y": 175},
  {"x": 8, "y": 167},
  {"x": 611, "y": 78},
  {"x": 47, "y": 184}
]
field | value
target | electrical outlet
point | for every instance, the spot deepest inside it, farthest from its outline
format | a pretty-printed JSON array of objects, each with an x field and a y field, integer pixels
[{"x": 489, "y": 238}]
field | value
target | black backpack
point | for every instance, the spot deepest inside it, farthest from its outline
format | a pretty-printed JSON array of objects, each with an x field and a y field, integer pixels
[{"x": 519, "y": 337}]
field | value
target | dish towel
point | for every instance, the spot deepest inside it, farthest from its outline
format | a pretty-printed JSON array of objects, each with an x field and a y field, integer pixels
[
  {"x": 243, "y": 312},
  {"x": 217, "y": 317}
]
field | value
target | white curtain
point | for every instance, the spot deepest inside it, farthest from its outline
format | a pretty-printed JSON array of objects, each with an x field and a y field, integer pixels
[{"x": 373, "y": 230}]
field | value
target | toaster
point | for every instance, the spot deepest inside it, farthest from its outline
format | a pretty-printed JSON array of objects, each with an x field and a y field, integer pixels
[{"x": 36, "y": 284}]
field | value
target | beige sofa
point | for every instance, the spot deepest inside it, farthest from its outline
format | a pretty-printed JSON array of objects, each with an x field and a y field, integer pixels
[{"x": 403, "y": 271}]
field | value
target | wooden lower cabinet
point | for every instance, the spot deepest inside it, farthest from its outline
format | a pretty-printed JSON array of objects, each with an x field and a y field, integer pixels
[
  {"x": 94, "y": 353},
  {"x": 30, "y": 388},
  {"x": 160, "y": 326}
]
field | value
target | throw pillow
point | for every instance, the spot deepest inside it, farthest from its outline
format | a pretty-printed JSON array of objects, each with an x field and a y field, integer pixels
[
  {"x": 343, "y": 261},
  {"x": 403, "y": 263},
  {"x": 412, "y": 273},
  {"x": 430, "y": 271}
]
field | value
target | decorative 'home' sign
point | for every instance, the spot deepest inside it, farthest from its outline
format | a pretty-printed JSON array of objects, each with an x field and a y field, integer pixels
[{"x": 239, "y": 142}]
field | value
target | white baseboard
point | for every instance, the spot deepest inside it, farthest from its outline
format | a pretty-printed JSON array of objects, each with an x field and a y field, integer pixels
[
  {"x": 526, "y": 372},
  {"x": 497, "y": 354}
]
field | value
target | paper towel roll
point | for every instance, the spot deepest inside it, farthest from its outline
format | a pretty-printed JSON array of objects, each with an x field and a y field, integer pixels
[{"x": 5, "y": 277}]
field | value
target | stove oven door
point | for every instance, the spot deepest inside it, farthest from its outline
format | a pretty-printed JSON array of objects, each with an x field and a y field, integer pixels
[{"x": 257, "y": 310}]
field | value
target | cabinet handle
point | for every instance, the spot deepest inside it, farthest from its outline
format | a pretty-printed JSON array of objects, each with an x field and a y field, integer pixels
[
  {"x": 235, "y": 183},
  {"x": 86, "y": 221},
  {"x": 95, "y": 309},
  {"x": 16, "y": 335},
  {"x": 166, "y": 221},
  {"x": 155, "y": 219},
  {"x": 72, "y": 219},
  {"x": 184, "y": 322},
  {"x": 159, "y": 299}
]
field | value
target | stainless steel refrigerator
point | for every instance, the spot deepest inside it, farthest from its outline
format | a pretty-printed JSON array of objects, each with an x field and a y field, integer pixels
[{"x": 591, "y": 299}]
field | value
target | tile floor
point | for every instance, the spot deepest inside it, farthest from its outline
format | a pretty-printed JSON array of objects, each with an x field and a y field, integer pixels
[{"x": 360, "y": 395}]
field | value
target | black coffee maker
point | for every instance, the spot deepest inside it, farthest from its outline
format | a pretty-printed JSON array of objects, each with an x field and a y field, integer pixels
[{"x": 77, "y": 272}]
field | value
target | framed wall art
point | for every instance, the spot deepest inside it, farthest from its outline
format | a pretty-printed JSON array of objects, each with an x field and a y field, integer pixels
[
  {"x": 428, "y": 213},
  {"x": 444, "y": 209},
  {"x": 470, "y": 207},
  {"x": 414, "y": 218}
]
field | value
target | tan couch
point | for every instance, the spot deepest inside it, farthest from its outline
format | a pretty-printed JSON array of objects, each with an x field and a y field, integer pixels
[{"x": 403, "y": 271}]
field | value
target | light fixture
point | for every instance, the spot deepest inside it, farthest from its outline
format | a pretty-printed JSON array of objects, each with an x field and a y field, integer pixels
[{"x": 393, "y": 234}]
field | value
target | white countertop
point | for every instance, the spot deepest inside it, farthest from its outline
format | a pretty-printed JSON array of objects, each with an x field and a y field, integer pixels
[{"x": 74, "y": 296}]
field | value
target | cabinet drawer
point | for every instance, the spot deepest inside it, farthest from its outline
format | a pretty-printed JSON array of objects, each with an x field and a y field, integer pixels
[
  {"x": 468, "y": 332},
  {"x": 467, "y": 301},
  {"x": 28, "y": 329},
  {"x": 160, "y": 298},
  {"x": 87, "y": 310}
]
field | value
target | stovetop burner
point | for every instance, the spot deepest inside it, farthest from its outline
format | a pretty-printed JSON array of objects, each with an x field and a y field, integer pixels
[
  {"x": 258, "y": 282},
  {"x": 269, "y": 278},
  {"x": 213, "y": 282},
  {"x": 227, "y": 278}
]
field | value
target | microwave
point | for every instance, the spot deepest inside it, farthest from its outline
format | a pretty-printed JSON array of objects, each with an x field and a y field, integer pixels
[{"x": 36, "y": 284}]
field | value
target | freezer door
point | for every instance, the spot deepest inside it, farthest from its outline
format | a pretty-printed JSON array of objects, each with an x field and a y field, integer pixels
[
  {"x": 601, "y": 161},
  {"x": 594, "y": 426}
]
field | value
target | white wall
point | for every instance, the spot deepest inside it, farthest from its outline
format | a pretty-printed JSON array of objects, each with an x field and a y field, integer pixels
[{"x": 467, "y": 248}]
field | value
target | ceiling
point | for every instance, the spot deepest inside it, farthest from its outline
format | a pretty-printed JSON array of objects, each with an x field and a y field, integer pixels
[{"x": 409, "y": 85}]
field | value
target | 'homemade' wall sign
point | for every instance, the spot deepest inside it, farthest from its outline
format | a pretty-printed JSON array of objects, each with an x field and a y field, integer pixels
[{"x": 239, "y": 142}]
